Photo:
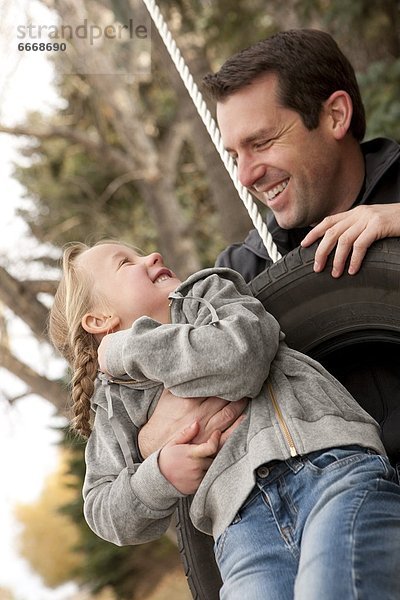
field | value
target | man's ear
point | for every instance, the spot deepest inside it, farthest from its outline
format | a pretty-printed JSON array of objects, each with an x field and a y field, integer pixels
[
  {"x": 100, "y": 324},
  {"x": 339, "y": 109}
]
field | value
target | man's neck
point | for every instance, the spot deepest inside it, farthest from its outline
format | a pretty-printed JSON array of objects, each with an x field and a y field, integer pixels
[{"x": 352, "y": 179}]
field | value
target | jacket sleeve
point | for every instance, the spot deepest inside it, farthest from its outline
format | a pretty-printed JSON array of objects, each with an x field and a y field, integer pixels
[
  {"x": 230, "y": 359},
  {"x": 124, "y": 505}
]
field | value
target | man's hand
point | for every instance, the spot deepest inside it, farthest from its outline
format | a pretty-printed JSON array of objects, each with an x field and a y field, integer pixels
[
  {"x": 352, "y": 233},
  {"x": 173, "y": 414},
  {"x": 183, "y": 463}
]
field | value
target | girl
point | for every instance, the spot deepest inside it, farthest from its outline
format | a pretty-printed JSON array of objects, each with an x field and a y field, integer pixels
[{"x": 300, "y": 500}]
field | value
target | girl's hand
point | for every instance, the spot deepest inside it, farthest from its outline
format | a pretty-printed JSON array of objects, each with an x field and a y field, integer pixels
[{"x": 184, "y": 464}]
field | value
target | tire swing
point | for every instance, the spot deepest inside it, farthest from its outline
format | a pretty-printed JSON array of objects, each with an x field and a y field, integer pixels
[{"x": 351, "y": 325}]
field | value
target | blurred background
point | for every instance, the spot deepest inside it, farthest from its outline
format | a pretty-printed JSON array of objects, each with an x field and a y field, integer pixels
[{"x": 100, "y": 141}]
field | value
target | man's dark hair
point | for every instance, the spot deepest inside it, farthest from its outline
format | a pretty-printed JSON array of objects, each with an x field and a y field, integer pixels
[{"x": 310, "y": 67}]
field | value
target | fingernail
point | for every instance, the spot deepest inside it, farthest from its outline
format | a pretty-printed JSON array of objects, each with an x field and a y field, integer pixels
[{"x": 316, "y": 267}]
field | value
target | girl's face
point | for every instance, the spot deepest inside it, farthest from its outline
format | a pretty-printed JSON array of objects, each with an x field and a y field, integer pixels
[{"x": 131, "y": 286}]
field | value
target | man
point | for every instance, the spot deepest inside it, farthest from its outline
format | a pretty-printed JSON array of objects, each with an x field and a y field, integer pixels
[{"x": 291, "y": 115}]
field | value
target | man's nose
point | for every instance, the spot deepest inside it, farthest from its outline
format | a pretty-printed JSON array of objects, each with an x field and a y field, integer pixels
[{"x": 250, "y": 170}]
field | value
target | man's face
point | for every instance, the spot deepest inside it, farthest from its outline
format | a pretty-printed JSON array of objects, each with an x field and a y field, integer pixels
[{"x": 290, "y": 169}]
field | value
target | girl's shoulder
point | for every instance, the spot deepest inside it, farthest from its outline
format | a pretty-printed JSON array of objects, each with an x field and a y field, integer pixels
[{"x": 213, "y": 280}]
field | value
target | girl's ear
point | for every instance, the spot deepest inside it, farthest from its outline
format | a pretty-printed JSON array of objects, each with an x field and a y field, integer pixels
[{"x": 99, "y": 324}]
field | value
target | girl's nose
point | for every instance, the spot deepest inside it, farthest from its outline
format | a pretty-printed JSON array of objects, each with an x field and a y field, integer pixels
[{"x": 153, "y": 259}]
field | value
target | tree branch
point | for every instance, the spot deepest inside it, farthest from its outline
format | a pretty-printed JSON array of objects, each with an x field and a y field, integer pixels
[
  {"x": 20, "y": 299},
  {"x": 53, "y": 391},
  {"x": 97, "y": 147}
]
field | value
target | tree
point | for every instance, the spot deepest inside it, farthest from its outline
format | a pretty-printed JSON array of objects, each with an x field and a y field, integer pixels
[
  {"x": 49, "y": 538},
  {"x": 6, "y": 594},
  {"x": 129, "y": 157}
]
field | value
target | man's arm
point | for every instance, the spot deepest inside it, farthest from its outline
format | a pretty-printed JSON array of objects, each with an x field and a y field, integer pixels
[
  {"x": 173, "y": 414},
  {"x": 352, "y": 233}
]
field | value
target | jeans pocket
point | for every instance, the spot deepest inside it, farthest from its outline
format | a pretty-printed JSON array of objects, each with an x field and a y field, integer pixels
[
  {"x": 219, "y": 543},
  {"x": 334, "y": 458}
]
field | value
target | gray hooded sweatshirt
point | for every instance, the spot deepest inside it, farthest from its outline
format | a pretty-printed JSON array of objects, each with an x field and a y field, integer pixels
[{"x": 221, "y": 342}]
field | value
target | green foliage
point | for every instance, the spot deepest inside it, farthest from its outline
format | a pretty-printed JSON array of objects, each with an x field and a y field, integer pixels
[
  {"x": 193, "y": 196},
  {"x": 380, "y": 87},
  {"x": 228, "y": 27},
  {"x": 72, "y": 201}
]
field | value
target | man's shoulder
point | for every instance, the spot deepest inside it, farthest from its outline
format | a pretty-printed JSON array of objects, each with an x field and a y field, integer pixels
[
  {"x": 382, "y": 165},
  {"x": 248, "y": 258},
  {"x": 380, "y": 154}
]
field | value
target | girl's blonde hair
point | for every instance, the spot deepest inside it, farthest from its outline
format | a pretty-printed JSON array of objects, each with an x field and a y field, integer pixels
[
  {"x": 72, "y": 301},
  {"x": 75, "y": 297}
]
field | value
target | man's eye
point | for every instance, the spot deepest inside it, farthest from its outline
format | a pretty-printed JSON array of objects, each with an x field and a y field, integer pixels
[{"x": 263, "y": 144}]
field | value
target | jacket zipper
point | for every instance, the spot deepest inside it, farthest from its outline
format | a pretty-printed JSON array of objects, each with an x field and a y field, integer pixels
[{"x": 284, "y": 428}]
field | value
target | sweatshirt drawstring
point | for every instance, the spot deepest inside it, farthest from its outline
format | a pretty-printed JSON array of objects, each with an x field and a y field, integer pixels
[
  {"x": 179, "y": 296},
  {"x": 116, "y": 425}
]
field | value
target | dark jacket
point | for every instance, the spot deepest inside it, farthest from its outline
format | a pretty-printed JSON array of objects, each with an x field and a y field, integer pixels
[
  {"x": 373, "y": 380},
  {"x": 381, "y": 186}
]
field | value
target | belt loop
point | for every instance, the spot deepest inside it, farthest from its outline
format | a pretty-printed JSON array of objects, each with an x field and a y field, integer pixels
[{"x": 295, "y": 464}]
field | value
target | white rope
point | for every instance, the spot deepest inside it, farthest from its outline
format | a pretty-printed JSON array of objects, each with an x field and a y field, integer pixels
[{"x": 211, "y": 127}]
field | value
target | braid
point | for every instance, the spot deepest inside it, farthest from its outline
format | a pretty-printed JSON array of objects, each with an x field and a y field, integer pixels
[
  {"x": 85, "y": 369},
  {"x": 71, "y": 301},
  {"x": 75, "y": 297}
]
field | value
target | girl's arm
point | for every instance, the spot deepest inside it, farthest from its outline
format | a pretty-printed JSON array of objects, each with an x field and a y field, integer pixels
[
  {"x": 124, "y": 505},
  {"x": 147, "y": 492},
  {"x": 229, "y": 359}
]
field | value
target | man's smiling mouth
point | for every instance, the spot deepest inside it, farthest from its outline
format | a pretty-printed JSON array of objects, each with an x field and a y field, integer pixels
[{"x": 275, "y": 191}]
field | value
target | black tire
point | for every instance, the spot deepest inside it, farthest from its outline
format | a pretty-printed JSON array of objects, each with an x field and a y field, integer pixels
[
  {"x": 352, "y": 326},
  {"x": 197, "y": 556}
]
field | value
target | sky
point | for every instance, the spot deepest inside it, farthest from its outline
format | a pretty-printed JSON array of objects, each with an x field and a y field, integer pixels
[{"x": 28, "y": 439}]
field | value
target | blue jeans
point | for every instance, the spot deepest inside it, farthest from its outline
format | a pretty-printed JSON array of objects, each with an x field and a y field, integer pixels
[{"x": 321, "y": 527}]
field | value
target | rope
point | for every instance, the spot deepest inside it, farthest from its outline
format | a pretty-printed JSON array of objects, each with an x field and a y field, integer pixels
[{"x": 211, "y": 127}]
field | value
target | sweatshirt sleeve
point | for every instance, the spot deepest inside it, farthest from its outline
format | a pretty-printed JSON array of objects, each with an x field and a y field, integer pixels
[
  {"x": 124, "y": 505},
  {"x": 230, "y": 358}
]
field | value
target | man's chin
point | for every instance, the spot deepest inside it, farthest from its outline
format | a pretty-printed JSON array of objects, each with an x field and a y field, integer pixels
[
  {"x": 284, "y": 222},
  {"x": 288, "y": 221}
]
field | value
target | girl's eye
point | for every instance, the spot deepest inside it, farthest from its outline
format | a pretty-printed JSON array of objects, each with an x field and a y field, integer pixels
[{"x": 124, "y": 261}]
